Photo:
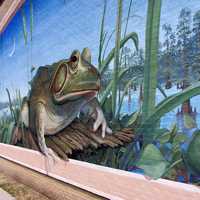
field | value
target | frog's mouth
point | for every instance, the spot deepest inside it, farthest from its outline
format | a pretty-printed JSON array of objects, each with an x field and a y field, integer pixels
[{"x": 88, "y": 94}]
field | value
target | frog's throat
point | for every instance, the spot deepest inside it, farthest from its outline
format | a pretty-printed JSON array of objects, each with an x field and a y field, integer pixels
[{"x": 88, "y": 94}]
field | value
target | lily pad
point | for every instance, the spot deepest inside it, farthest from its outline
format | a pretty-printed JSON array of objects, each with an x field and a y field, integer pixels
[
  {"x": 152, "y": 162},
  {"x": 193, "y": 153},
  {"x": 179, "y": 138},
  {"x": 189, "y": 122},
  {"x": 164, "y": 138}
]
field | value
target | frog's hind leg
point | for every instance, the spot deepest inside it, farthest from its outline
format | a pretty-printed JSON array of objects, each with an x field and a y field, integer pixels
[
  {"x": 24, "y": 114},
  {"x": 40, "y": 131},
  {"x": 23, "y": 120}
]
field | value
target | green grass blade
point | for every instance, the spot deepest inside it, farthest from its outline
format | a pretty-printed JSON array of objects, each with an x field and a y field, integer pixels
[
  {"x": 25, "y": 34},
  {"x": 9, "y": 133},
  {"x": 31, "y": 19},
  {"x": 11, "y": 106},
  {"x": 161, "y": 90},
  {"x": 151, "y": 60},
  {"x": 116, "y": 57},
  {"x": 126, "y": 26},
  {"x": 102, "y": 34}
]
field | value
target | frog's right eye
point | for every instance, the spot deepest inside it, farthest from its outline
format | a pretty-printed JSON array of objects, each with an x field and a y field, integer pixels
[
  {"x": 73, "y": 64},
  {"x": 60, "y": 78}
]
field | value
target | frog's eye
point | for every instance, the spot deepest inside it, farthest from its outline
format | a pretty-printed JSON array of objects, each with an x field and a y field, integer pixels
[
  {"x": 59, "y": 78},
  {"x": 73, "y": 64}
]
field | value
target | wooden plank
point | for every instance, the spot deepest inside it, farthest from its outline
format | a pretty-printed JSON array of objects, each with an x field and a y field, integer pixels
[
  {"x": 50, "y": 187},
  {"x": 5, "y": 196},
  {"x": 18, "y": 190},
  {"x": 106, "y": 182},
  {"x": 7, "y": 10}
]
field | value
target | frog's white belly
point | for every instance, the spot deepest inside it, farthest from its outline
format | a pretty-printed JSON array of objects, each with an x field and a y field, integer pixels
[{"x": 54, "y": 123}]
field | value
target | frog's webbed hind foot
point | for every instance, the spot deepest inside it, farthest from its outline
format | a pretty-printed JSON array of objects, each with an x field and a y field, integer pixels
[
  {"x": 50, "y": 154},
  {"x": 50, "y": 159}
]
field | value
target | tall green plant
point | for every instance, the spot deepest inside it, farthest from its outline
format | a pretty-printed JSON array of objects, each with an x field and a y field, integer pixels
[
  {"x": 116, "y": 56},
  {"x": 102, "y": 35},
  {"x": 151, "y": 61}
]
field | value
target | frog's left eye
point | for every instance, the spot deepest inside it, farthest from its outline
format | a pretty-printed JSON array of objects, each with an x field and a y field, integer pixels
[{"x": 73, "y": 64}]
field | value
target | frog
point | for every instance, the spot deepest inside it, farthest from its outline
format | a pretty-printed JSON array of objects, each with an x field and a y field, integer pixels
[{"x": 59, "y": 93}]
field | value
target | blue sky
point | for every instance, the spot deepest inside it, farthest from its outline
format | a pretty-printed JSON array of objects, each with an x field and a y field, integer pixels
[{"x": 60, "y": 28}]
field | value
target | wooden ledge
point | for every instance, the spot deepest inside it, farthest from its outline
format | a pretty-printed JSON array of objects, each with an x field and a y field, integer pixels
[
  {"x": 7, "y": 11},
  {"x": 102, "y": 181},
  {"x": 5, "y": 196}
]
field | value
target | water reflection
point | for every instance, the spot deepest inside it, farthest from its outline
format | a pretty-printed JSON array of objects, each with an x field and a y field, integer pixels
[{"x": 171, "y": 117}]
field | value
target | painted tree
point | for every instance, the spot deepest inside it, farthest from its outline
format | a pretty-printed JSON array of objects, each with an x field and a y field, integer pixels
[
  {"x": 183, "y": 44},
  {"x": 168, "y": 54},
  {"x": 196, "y": 45}
]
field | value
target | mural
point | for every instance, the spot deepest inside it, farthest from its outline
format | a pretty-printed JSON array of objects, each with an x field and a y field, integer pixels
[{"x": 147, "y": 55}]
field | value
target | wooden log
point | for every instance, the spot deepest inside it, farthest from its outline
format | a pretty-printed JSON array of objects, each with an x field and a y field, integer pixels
[
  {"x": 81, "y": 139},
  {"x": 77, "y": 137},
  {"x": 80, "y": 127},
  {"x": 56, "y": 149},
  {"x": 114, "y": 139},
  {"x": 65, "y": 148},
  {"x": 88, "y": 141},
  {"x": 78, "y": 146},
  {"x": 128, "y": 130},
  {"x": 110, "y": 143},
  {"x": 123, "y": 138},
  {"x": 66, "y": 141},
  {"x": 72, "y": 134},
  {"x": 85, "y": 137}
]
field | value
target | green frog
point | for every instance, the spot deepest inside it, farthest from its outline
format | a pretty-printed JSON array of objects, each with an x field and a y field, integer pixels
[{"x": 58, "y": 93}]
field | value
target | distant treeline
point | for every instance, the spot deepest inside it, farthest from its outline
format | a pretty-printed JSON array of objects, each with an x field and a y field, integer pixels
[
  {"x": 179, "y": 53},
  {"x": 3, "y": 105}
]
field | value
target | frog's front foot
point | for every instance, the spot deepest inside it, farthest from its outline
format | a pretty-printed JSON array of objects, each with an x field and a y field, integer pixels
[
  {"x": 51, "y": 155},
  {"x": 101, "y": 121}
]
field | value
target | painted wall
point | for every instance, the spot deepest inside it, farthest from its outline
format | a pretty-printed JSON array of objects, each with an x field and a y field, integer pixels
[{"x": 61, "y": 26}]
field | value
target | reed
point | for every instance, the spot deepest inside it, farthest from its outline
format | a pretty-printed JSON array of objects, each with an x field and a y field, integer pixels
[
  {"x": 151, "y": 60},
  {"x": 116, "y": 57},
  {"x": 8, "y": 123},
  {"x": 102, "y": 35}
]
